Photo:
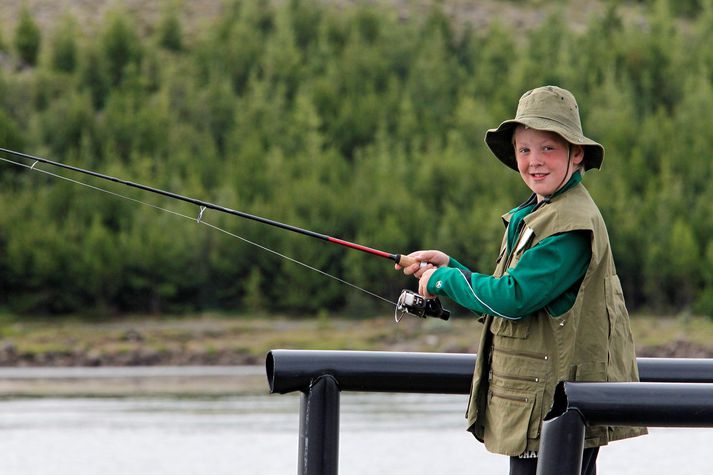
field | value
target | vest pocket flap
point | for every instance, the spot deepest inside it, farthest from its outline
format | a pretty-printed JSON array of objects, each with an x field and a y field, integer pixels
[
  {"x": 514, "y": 365},
  {"x": 511, "y": 328}
]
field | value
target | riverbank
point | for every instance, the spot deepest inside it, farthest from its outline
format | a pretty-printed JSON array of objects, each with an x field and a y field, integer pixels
[
  {"x": 135, "y": 381},
  {"x": 230, "y": 340},
  {"x": 213, "y": 340}
]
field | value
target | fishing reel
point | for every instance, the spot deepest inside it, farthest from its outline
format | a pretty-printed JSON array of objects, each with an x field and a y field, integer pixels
[{"x": 419, "y": 306}]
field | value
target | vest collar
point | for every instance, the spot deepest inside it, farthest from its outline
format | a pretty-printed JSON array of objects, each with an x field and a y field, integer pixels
[{"x": 575, "y": 179}]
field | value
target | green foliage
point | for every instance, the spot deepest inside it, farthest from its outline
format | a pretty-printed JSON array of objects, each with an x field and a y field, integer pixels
[
  {"x": 64, "y": 46},
  {"x": 351, "y": 121},
  {"x": 170, "y": 31},
  {"x": 27, "y": 38},
  {"x": 704, "y": 301},
  {"x": 120, "y": 46},
  {"x": 94, "y": 75},
  {"x": 10, "y": 135},
  {"x": 3, "y": 46}
]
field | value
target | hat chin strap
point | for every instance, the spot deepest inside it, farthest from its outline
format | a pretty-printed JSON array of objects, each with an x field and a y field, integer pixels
[{"x": 548, "y": 198}]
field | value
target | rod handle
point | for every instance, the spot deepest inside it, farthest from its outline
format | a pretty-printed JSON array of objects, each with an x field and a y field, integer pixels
[{"x": 405, "y": 261}]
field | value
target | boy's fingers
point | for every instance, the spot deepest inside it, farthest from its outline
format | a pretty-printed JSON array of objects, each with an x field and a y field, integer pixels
[
  {"x": 409, "y": 260},
  {"x": 411, "y": 269},
  {"x": 422, "y": 268}
]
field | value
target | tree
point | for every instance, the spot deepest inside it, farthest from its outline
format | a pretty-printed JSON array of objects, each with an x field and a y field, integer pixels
[
  {"x": 64, "y": 47},
  {"x": 94, "y": 75},
  {"x": 120, "y": 46},
  {"x": 27, "y": 38},
  {"x": 3, "y": 46},
  {"x": 170, "y": 31}
]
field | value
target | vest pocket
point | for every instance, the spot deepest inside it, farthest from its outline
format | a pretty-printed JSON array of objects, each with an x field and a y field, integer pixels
[
  {"x": 510, "y": 419},
  {"x": 517, "y": 377}
]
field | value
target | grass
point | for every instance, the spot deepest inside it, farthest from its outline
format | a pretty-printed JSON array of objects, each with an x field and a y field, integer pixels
[
  {"x": 653, "y": 331},
  {"x": 234, "y": 339}
]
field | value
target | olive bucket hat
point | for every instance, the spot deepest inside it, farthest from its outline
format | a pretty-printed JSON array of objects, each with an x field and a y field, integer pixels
[{"x": 548, "y": 108}]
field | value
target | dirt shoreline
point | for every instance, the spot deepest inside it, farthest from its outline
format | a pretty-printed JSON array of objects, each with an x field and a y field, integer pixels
[
  {"x": 147, "y": 357},
  {"x": 141, "y": 356}
]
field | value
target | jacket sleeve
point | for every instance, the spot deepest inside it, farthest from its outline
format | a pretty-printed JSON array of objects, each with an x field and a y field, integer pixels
[
  {"x": 455, "y": 264},
  {"x": 542, "y": 275}
]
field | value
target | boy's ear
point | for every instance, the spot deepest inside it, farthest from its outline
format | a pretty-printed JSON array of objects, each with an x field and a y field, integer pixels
[{"x": 577, "y": 154}]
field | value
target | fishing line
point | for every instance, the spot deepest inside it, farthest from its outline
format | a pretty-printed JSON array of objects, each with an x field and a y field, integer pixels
[{"x": 198, "y": 220}]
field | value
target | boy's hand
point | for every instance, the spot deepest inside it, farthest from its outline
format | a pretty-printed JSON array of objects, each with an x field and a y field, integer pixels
[
  {"x": 423, "y": 283},
  {"x": 431, "y": 259}
]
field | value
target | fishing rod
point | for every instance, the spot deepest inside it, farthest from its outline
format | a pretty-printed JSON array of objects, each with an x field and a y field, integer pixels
[
  {"x": 403, "y": 261},
  {"x": 408, "y": 303}
]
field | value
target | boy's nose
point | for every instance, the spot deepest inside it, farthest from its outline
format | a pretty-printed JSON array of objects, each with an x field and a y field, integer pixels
[{"x": 536, "y": 159}]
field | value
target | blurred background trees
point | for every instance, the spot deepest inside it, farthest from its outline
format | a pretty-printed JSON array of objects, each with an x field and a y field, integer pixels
[{"x": 353, "y": 121}]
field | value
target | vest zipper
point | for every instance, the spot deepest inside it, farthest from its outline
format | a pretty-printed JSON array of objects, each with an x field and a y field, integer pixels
[
  {"x": 509, "y": 397},
  {"x": 529, "y": 379}
]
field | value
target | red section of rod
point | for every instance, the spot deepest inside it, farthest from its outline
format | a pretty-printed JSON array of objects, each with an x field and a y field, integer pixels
[{"x": 362, "y": 248}]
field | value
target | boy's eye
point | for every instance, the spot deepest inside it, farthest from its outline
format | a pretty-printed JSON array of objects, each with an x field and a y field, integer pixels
[
  {"x": 548, "y": 148},
  {"x": 523, "y": 150}
]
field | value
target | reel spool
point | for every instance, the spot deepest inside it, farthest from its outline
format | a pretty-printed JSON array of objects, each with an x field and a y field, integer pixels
[{"x": 419, "y": 306}]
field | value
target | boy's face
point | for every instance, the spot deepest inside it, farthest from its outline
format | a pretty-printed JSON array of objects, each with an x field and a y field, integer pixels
[{"x": 542, "y": 159}]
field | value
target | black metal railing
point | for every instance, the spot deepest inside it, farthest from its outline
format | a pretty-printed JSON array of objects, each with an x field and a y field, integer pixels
[
  {"x": 321, "y": 375},
  {"x": 645, "y": 404}
]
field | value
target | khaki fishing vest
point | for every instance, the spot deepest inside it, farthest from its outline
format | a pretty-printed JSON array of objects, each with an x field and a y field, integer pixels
[{"x": 520, "y": 362}]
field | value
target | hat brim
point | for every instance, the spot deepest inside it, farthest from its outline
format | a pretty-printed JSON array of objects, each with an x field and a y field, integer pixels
[{"x": 500, "y": 140}]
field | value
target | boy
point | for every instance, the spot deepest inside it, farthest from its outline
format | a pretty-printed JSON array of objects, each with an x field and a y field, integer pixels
[{"x": 554, "y": 309}]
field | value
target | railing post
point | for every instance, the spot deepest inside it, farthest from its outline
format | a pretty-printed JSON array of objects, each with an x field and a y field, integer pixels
[
  {"x": 561, "y": 445},
  {"x": 319, "y": 428}
]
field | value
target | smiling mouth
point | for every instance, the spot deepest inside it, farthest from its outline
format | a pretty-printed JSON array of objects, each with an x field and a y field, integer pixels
[{"x": 538, "y": 176}]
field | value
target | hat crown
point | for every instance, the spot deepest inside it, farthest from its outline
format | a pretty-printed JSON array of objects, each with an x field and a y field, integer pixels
[
  {"x": 553, "y": 103},
  {"x": 547, "y": 108}
]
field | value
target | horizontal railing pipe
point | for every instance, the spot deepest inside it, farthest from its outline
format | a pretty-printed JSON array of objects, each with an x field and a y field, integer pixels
[
  {"x": 675, "y": 370},
  {"x": 444, "y": 373},
  {"x": 637, "y": 404},
  {"x": 374, "y": 371}
]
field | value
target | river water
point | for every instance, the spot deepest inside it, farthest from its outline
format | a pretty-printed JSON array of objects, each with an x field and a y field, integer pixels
[{"x": 258, "y": 434}]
